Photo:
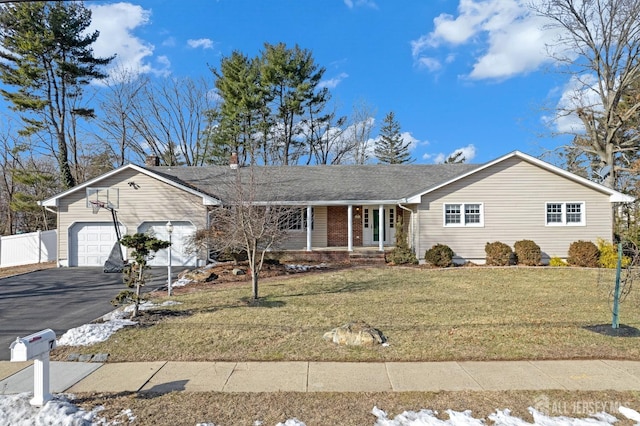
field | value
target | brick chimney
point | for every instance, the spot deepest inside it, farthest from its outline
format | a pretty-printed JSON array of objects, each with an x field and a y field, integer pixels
[
  {"x": 233, "y": 161},
  {"x": 152, "y": 161}
]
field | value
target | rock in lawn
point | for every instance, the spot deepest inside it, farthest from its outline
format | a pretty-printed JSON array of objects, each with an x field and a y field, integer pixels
[
  {"x": 200, "y": 275},
  {"x": 238, "y": 271},
  {"x": 356, "y": 333}
]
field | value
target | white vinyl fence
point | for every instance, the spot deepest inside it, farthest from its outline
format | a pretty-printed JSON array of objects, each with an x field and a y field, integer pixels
[{"x": 23, "y": 249}]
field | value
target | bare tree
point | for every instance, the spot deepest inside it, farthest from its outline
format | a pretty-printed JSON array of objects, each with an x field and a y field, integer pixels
[
  {"x": 119, "y": 135},
  {"x": 250, "y": 220},
  {"x": 168, "y": 118},
  {"x": 326, "y": 139},
  {"x": 362, "y": 123},
  {"x": 599, "y": 42}
]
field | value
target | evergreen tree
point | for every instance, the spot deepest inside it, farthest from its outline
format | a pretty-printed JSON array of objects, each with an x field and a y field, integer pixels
[
  {"x": 456, "y": 158},
  {"x": 144, "y": 248},
  {"x": 389, "y": 147},
  {"x": 47, "y": 56},
  {"x": 268, "y": 104}
]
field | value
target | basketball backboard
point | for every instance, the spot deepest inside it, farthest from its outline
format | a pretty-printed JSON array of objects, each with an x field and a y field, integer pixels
[{"x": 108, "y": 197}]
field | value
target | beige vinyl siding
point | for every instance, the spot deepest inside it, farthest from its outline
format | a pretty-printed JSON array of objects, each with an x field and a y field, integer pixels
[
  {"x": 514, "y": 194},
  {"x": 297, "y": 240},
  {"x": 154, "y": 200}
]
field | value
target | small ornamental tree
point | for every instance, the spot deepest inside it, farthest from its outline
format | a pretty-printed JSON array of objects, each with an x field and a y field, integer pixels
[
  {"x": 251, "y": 220},
  {"x": 144, "y": 248},
  {"x": 402, "y": 253}
]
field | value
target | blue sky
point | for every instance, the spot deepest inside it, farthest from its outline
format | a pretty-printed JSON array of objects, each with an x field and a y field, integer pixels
[{"x": 458, "y": 74}]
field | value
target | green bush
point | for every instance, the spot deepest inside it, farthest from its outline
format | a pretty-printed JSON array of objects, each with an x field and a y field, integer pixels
[
  {"x": 609, "y": 255},
  {"x": 527, "y": 253},
  {"x": 556, "y": 261},
  {"x": 583, "y": 253},
  {"x": 440, "y": 255},
  {"x": 402, "y": 253},
  {"x": 498, "y": 254}
]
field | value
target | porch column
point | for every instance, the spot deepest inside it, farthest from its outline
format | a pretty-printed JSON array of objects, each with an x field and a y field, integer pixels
[
  {"x": 350, "y": 228},
  {"x": 381, "y": 221},
  {"x": 309, "y": 226}
]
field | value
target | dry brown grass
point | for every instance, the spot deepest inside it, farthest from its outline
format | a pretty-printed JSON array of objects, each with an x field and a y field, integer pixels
[
  {"x": 428, "y": 315},
  {"x": 23, "y": 269},
  {"x": 345, "y": 409}
]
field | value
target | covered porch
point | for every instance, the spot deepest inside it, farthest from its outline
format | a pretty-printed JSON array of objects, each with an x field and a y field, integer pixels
[{"x": 351, "y": 228}]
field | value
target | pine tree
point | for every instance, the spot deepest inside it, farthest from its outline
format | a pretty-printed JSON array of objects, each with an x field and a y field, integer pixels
[
  {"x": 456, "y": 158},
  {"x": 390, "y": 147},
  {"x": 47, "y": 56}
]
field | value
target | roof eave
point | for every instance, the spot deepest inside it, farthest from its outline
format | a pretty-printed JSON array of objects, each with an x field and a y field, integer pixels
[
  {"x": 619, "y": 197},
  {"x": 614, "y": 196},
  {"x": 328, "y": 202},
  {"x": 54, "y": 201}
]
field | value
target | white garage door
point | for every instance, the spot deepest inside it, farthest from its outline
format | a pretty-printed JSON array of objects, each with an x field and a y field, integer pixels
[
  {"x": 180, "y": 253},
  {"x": 90, "y": 243}
]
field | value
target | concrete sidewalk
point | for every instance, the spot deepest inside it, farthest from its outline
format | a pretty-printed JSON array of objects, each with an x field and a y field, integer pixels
[{"x": 303, "y": 376}]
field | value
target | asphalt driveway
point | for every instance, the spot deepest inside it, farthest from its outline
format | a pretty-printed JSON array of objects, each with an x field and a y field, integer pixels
[{"x": 59, "y": 299}]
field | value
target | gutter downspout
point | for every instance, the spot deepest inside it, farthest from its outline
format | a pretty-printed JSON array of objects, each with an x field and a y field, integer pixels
[{"x": 411, "y": 227}]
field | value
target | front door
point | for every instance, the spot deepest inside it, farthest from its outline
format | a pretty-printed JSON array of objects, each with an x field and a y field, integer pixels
[
  {"x": 376, "y": 226},
  {"x": 371, "y": 225}
]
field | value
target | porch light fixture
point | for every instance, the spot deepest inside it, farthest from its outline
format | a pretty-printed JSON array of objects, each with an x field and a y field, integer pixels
[{"x": 169, "y": 227}]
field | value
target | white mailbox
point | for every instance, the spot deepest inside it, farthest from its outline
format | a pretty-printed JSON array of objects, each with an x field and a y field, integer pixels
[
  {"x": 36, "y": 347},
  {"x": 33, "y": 345}
]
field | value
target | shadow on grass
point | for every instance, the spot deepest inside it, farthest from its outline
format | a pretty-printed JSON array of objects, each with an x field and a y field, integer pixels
[
  {"x": 261, "y": 303},
  {"x": 607, "y": 330},
  {"x": 151, "y": 317},
  {"x": 343, "y": 287}
]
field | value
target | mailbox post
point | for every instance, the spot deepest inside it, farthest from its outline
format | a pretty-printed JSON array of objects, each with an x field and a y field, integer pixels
[{"x": 36, "y": 347}]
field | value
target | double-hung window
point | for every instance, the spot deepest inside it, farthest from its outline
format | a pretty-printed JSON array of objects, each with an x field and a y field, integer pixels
[
  {"x": 296, "y": 220},
  {"x": 463, "y": 214},
  {"x": 565, "y": 214}
]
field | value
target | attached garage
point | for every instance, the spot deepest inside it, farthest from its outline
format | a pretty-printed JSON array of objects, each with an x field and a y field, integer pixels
[
  {"x": 91, "y": 242},
  {"x": 180, "y": 253}
]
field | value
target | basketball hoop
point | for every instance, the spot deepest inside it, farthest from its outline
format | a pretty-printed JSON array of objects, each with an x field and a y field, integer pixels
[{"x": 95, "y": 206}]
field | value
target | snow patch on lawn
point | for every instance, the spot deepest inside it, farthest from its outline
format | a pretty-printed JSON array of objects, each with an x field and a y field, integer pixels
[
  {"x": 17, "y": 411},
  {"x": 89, "y": 334}
]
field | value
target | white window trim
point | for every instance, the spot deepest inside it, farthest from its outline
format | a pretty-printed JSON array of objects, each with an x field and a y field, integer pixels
[
  {"x": 583, "y": 215},
  {"x": 462, "y": 224}
]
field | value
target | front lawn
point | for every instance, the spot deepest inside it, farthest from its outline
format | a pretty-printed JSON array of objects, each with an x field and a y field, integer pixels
[{"x": 428, "y": 315}]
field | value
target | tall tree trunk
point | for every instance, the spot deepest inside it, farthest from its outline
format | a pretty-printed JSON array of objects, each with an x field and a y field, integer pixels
[
  {"x": 253, "y": 264},
  {"x": 63, "y": 161}
]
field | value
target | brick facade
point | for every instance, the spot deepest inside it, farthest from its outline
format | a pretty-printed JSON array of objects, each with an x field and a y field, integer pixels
[{"x": 337, "y": 226}]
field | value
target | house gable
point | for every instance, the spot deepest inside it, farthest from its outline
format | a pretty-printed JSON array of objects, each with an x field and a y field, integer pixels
[
  {"x": 512, "y": 196},
  {"x": 101, "y": 181},
  {"x": 143, "y": 199},
  {"x": 614, "y": 196}
]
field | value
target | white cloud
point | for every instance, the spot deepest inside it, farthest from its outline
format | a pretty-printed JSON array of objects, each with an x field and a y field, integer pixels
[
  {"x": 432, "y": 64},
  {"x": 117, "y": 23},
  {"x": 468, "y": 152},
  {"x": 360, "y": 3},
  {"x": 169, "y": 42},
  {"x": 579, "y": 92},
  {"x": 515, "y": 40},
  {"x": 333, "y": 82},
  {"x": 203, "y": 43},
  {"x": 408, "y": 137},
  {"x": 164, "y": 67}
]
